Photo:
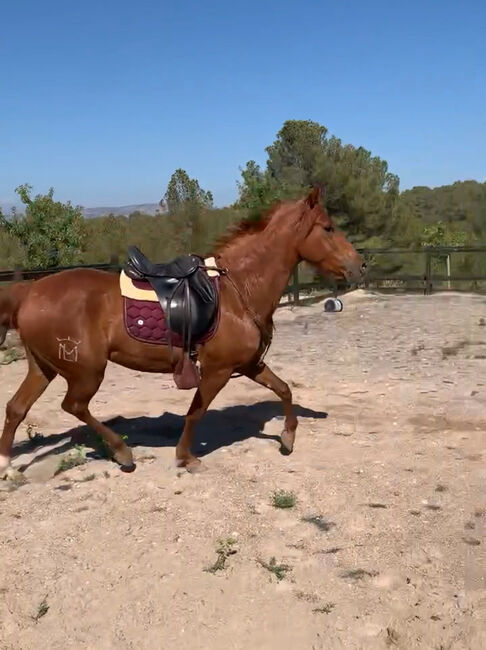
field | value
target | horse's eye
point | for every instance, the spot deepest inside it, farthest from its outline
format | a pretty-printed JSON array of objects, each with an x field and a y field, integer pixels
[{"x": 328, "y": 228}]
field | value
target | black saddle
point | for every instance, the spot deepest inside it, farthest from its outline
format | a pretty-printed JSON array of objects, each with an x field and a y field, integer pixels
[
  {"x": 182, "y": 267},
  {"x": 186, "y": 293}
]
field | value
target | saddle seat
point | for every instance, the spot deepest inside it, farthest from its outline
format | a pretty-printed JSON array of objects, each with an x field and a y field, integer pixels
[{"x": 140, "y": 266}]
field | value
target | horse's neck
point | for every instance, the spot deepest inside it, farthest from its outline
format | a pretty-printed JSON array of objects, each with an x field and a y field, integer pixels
[{"x": 262, "y": 269}]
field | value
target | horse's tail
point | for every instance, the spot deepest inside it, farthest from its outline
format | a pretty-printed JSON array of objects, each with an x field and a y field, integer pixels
[{"x": 10, "y": 300}]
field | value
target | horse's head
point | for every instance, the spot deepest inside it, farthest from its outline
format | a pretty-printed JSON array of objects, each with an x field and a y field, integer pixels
[{"x": 324, "y": 246}]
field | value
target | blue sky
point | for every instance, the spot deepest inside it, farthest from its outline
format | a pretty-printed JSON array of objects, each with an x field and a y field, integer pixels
[{"x": 103, "y": 100}]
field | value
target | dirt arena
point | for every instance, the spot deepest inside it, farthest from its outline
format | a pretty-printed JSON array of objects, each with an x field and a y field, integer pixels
[{"x": 384, "y": 546}]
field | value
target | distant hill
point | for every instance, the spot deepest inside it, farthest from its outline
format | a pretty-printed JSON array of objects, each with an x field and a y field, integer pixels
[
  {"x": 146, "y": 208},
  {"x": 7, "y": 206}
]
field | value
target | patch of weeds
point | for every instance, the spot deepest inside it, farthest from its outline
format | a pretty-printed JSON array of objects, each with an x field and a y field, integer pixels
[
  {"x": 11, "y": 355},
  {"x": 325, "y": 609},
  {"x": 416, "y": 349},
  {"x": 310, "y": 598},
  {"x": 64, "y": 487},
  {"x": 391, "y": 636},
  {"x": 35, "y": 438},
  {"x": 359, "y": 574},
  {"x": 85, "y": 479},
  {"x": 75, "y": 457},
  {"x": 453, "y": 350},
  {"x": 283, "y": 499},
  {"x": 441, "y": 488},
  {"x": 42, "y": 609},
  {"x": 224, "y": 549},
  {"x": 319, "y": 521},
  {"x": 278, "y": 570}
]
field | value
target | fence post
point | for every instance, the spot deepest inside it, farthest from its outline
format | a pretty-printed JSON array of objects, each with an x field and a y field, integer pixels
[
  {"x": 428, "y": 274},
  {"x": 295, "y": 285},
  {"x": 17, "y": 274},
  {"x": 448, "y": 270},
  {"x": 115, "y": 261}
]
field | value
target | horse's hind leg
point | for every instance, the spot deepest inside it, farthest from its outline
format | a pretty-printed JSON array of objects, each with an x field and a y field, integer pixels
[
  {"x": 80, "y": 391},
  {"x": 37, "y": 380},
  {"x": 262, "y": 375}
]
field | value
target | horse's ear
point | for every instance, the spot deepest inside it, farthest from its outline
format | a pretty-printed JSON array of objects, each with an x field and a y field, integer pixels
[{"x": 315, "y": 196}]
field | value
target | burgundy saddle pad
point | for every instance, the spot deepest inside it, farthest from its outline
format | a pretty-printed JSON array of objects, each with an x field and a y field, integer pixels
[{"x": 144, "y": 318}]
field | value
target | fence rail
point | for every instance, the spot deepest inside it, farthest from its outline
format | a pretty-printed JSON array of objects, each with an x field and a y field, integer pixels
[{"x": 428, "y": 280}]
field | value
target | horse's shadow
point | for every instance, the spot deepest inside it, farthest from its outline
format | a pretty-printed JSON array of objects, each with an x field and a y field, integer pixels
[{"x": 218, "y": 428}]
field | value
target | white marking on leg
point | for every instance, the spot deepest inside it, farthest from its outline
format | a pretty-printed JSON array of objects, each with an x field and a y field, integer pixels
[{"x": 4, "y": 465}]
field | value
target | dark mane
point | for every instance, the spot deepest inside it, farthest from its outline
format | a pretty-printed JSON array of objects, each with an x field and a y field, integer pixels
[{"x": 247, "y": 226}]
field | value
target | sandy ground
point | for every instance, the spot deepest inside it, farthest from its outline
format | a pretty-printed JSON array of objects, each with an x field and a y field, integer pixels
[{"x": 384, "y": 546}]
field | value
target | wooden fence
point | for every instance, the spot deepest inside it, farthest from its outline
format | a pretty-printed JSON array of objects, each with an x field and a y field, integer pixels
[{"x": 425, "y": 280}]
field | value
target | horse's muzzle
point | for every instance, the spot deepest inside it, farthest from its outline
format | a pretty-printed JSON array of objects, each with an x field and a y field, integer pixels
[{"x": 356, "y": 272}]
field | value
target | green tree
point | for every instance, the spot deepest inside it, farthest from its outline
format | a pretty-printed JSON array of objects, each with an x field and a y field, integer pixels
[
  {"x": 257, "y": 190},
  {"x": 188, "y": 204},
  {"x": 11, "y": 251},
  {"x": 183, "y": 191},
  {"x": 295, "y": 155},
  {"x": 439, "y": 234},
  {"x": 460, "y": 206},
  {"x": 50, "y": 233},
  {"x": 360, "y": 191}
]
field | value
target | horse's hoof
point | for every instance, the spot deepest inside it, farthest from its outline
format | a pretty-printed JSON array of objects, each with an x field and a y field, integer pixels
[
  {"x": 128, "y": 468},
  {"x": 195, "y": 466},
  {"x": 124, "y": 458},
  {"x": 13, "y": 475},
  {"x": 287, "y": 439},
  {"x": 5, "y": 467}
]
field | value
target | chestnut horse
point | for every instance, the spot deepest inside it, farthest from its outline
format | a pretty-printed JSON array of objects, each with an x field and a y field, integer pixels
[{"x": 85, "y": 306}]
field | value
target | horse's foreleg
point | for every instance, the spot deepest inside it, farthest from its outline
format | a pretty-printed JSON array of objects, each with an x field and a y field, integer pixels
[
  {"x": 211, "y": 384},
  {"x": 265, "y": 377},
  {"x": 35, "y": 383}
]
